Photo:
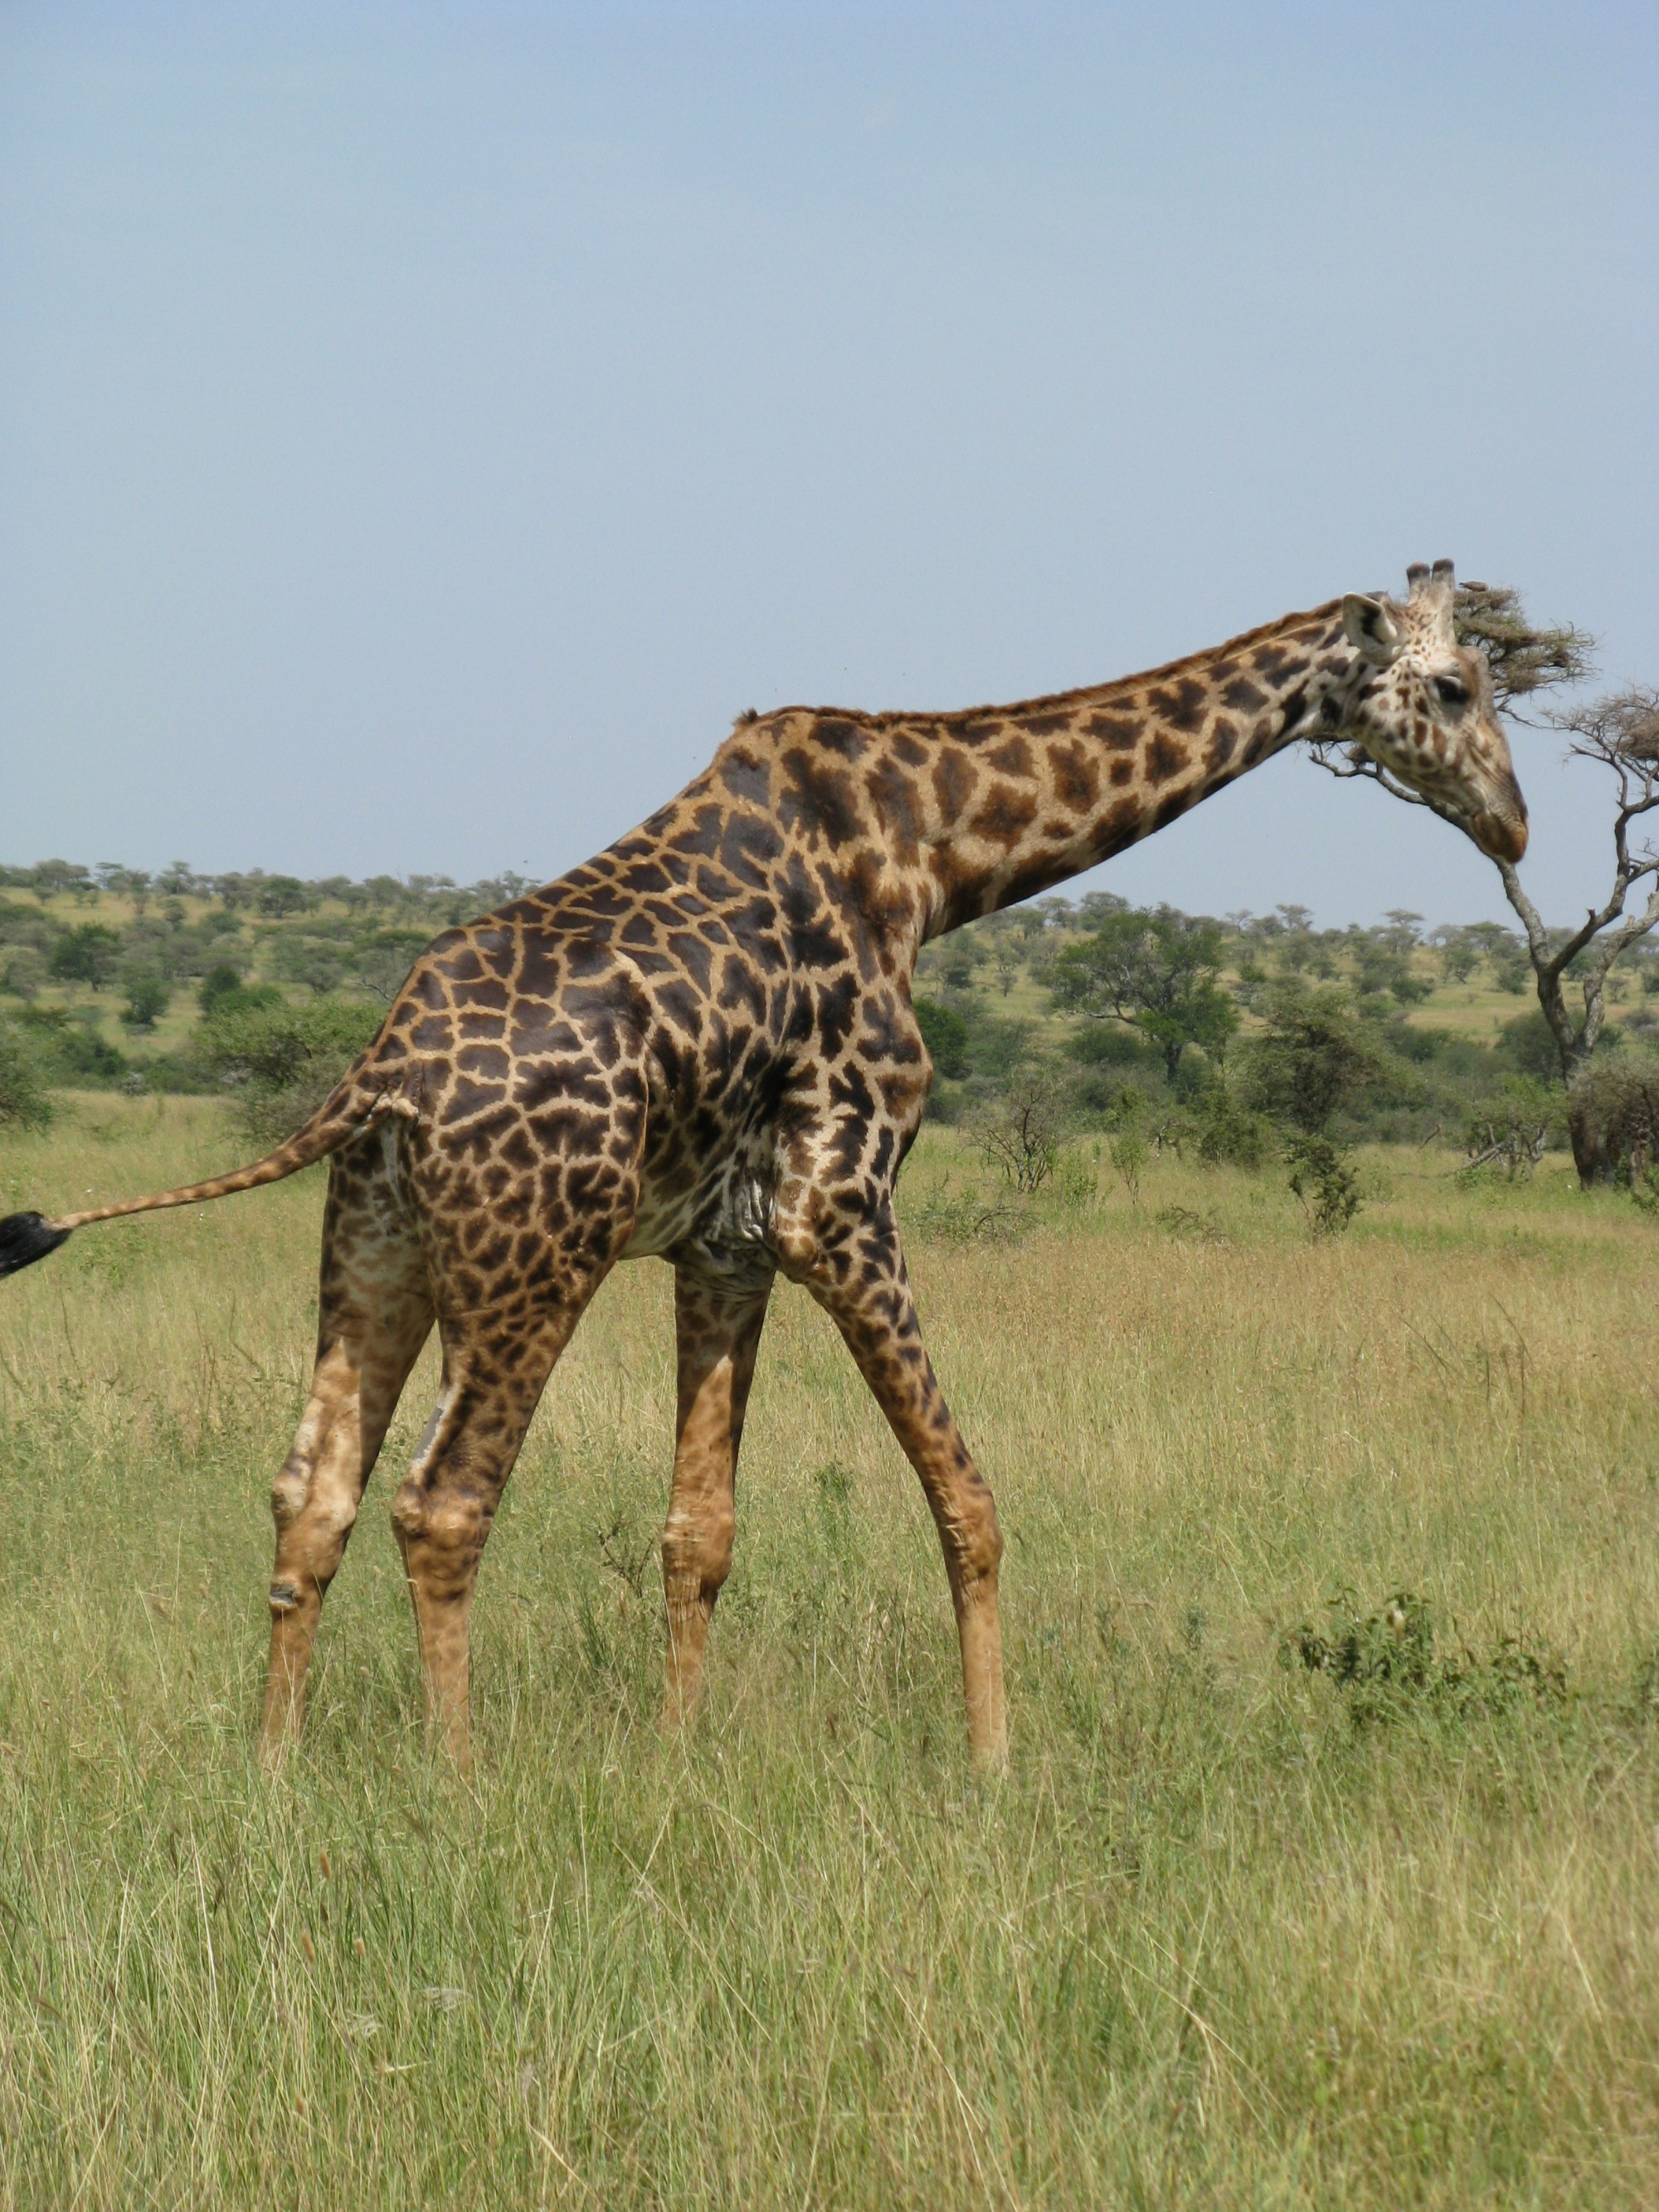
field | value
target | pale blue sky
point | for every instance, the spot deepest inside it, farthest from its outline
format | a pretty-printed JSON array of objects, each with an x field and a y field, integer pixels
[{"x": 422, "y": 429}]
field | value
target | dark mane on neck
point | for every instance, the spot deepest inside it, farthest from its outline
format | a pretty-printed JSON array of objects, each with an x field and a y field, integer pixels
[{"x": 1059, "y": 701}]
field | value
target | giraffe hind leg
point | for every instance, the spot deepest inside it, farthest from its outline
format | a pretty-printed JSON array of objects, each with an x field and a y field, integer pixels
[
  {"x": 375, "y": 1312},
  {"x": 717, "y": 1330},
  {"x": 495, "y": 1367}
]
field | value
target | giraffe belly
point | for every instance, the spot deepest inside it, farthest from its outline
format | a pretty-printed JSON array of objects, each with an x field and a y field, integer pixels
[{"x": 719, "y": 1221}]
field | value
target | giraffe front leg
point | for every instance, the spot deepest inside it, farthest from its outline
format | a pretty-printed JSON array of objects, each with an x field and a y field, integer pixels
[
  {"x": 861, "y": 1282},
  {"x": 717, "y": 1331}
]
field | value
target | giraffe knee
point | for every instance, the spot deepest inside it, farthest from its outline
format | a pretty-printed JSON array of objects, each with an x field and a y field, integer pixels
[
  {"x": 291, "y": 1491},
  {"x": 975, "y": 1541},
  {"x": 314, "y": 1520},
  {"x": 440, "y": 1525},
  {"x": 697, "y": 1548}
]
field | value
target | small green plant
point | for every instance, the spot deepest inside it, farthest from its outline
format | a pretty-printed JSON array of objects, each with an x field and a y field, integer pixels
[
  {"x": 1389, "y": 1660},
  {"x": 1228, "y": 1133},
  {"x": 1021, "y": 1135},
  {"x": 1324, "y": 1182},
  {"x": 221, "y": 984},
  {"x": 1076, "y": 1182},
  {"x": 1129, "y": 1152},
  {"x": 967, "y": 1217},
  {"x": 1190, "y": 1226}
]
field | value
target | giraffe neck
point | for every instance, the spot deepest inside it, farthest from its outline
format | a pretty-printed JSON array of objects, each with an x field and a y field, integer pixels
[{"x": 1023, "y": 797}]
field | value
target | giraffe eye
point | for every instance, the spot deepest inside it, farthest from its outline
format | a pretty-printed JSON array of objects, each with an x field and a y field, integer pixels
[{"x": 1452, "y": 689}]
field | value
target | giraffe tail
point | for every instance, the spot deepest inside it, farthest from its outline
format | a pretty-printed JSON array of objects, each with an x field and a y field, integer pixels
[{"x": 354, "y": 1102}]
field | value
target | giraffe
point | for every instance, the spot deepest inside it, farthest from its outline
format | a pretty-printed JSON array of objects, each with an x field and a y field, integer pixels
[{"x": 700, "y": 1046}]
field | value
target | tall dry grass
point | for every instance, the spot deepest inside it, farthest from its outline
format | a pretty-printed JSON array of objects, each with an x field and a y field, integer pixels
[{"x": 1232, "y": 1934}]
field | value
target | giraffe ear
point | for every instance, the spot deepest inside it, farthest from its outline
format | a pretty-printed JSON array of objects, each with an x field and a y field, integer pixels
[{"x": 1371, "y": 628}]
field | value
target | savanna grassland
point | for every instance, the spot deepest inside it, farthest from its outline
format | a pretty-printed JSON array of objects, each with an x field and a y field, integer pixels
[{"x": 1368, "y": 1920}]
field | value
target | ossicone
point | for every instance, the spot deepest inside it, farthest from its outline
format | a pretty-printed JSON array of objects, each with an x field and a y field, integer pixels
[{"x": 1432, "y": 588}]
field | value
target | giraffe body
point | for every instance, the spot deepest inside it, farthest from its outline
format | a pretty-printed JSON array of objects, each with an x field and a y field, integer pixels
[{"x": 700, "y": 1046}]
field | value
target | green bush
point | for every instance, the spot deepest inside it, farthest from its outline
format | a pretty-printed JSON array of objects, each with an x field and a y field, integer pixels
[
  {"x": 1312, "y": 1057},
  {"x": 1324, "y": 1179},
  {"x": 69, "y": 1048},
  {"x": 147, "y": 995},
  {"x": 1227, "y": 1134},
  {"x": 282, "y": 1061},
  {"x": 945, "y": 1033},
  {"x": 1527, "y": 1045},
  {"x": 1510, "y": 1131},
  {"x": 25, "y": 1095},
  {"x": 222, "y": 982},
  {"x": 1620, "y": 1096},
  {"x": 86, "y": 954},
  {"x": 1390, "y": 1661}
]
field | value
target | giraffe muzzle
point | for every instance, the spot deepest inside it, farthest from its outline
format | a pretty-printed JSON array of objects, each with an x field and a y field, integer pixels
[{"x": 1500, "y": 830}]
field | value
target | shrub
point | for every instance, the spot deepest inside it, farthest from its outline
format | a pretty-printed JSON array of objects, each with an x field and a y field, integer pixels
[
  {"x": 69, "y": 1048},
  {"x": 1129, "y": 1151},
  {"x": 86, "y": 954},
  {"x": 1312, "y": 1057},
  {"x": 945, "y": 1033},
  {"x": 967, "y": 1217},
  {"x": 1620, "y": 1096},
  {"x": 222, "y": 990},
  {"x": 1528, "y": 1043},
  {"x": 25, "y": 972},
  {"x": 1021, "y": 1135},
  {"x": 148, "y": 993},
  {"x": 1324, "y": 1179},
  {"x": 282, "y": 1060},
  {"x": 1100, "y": 1045},
  {"x": 1510, "y": 1131},
  {"x": 25, "y": 1096},
  {"x": 1227, "y": 1134},
  {"x": 277, "y": 895},
  {"x": 1389, "y": 1661}
]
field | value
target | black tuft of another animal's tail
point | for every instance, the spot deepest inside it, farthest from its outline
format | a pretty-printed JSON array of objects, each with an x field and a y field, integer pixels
[{"x": 25, "y": 1238}]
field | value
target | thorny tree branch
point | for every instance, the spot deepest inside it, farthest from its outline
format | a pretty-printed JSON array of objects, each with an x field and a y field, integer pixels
[
  {"x": 1522, "y": 660},
  {"x": 1622, "y": 734}
]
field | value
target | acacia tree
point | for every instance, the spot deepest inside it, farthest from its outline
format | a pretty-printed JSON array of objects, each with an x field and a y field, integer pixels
[
  {"x": 1619, "y": 733},
  {"x": 1155, "y": 972}
]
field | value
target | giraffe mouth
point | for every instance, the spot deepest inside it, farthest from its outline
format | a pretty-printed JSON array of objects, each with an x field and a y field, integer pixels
[{"x": 1501, "y": 830}]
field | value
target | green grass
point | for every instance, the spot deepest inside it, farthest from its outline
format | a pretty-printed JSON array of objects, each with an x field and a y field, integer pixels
[{"x": 1229, "y": 1935}]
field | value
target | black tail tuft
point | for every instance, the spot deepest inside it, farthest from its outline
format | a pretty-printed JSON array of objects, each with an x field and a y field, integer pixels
[{"x": 25, "y": 1238}]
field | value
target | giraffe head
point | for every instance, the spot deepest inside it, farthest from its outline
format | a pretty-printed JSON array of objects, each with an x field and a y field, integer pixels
[{"x": 1422, "y": 710}]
